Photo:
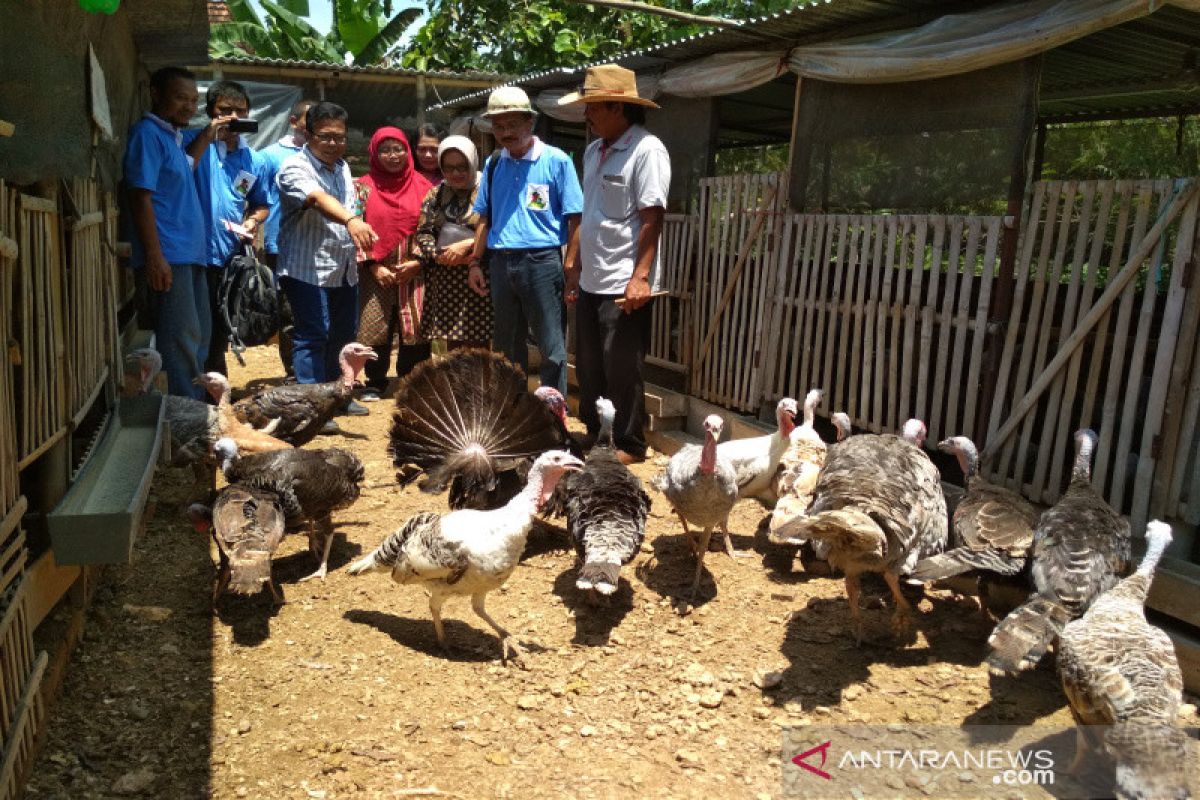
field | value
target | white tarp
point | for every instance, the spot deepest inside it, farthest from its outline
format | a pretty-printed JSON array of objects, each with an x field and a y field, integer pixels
[{"x": 949, "y": 45}]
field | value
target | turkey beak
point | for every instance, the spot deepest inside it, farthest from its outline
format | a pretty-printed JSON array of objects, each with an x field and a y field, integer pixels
[
  {"x": 945, "y": 445},
  {"x": 370, "y": 355},
  {"x": 574, "y": 465}
]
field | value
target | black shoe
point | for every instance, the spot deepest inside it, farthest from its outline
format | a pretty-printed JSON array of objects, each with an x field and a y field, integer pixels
[
  {"x": 330, "y": 428},
  {"x": 356, "y": 409}
]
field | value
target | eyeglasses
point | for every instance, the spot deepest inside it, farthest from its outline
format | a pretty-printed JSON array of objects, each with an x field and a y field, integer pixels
[
  {"x": 394, "y": 151},
  {"x": 329, "y": 138},
  {"x": 446, "y": 168}
]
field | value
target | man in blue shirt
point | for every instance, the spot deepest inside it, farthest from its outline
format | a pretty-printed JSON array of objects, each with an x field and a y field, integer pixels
[
  {"x": 169, "y": 246},
  {"x": 529, "y": 201},
  {"x": 273, "y": 157},
  {"x": 233, "y": 188}
]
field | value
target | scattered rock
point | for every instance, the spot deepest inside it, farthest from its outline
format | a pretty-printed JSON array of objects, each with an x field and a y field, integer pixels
[
  {"x": 711, "y": 699},
  {"x": 587, "y": 730},
  {"x": 243, "y": 726},
  {"x": 767, "y": 679},
  {"x": 686, "y": 757},
  {"x": 528, "y": 702},
  {"x": 135, "y": 782},
  {"x": 138, "y": 710},
  {"x": 148, "y": 613}
]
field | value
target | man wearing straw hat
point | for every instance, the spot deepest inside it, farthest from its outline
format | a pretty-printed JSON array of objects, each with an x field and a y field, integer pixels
[
  {"x": 615, "y": 269},
  {"x": 528, "y": 205}
]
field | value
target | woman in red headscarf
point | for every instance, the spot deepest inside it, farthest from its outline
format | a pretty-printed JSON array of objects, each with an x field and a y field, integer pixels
[{"x": 391, "y": 291}]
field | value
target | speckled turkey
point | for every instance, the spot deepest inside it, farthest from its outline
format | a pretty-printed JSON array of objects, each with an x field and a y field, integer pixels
[{"x": 247, "y": 525}]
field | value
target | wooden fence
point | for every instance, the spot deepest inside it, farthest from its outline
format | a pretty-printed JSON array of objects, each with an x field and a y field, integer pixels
[
  {"x": 1102, "y": 335},
  {"x": 92, "y": 277},
  {"x": 670, "y": 330},
  {"x": 10, "y": 485},
  {"x": 41, "y": 410}
]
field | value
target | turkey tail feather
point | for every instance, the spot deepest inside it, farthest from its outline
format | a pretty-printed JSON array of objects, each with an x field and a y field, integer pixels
[
  {"x": 963, "y": 559},
  {"x": 601, "y": 577},
  {"x": 248, "y": 573},
  {"x": 1023, "y": 637}
]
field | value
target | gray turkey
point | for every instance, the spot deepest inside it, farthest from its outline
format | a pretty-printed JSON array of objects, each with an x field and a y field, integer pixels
[
  {"x": 992, "y": 526},
  {"x": 247, "y": 525},
  {"x": 606, "y": 511},
  {"x": 878, "y": 505},
  {"x": 192, "y": 424},
  {"x": 1123, "y": 681},
  {"x": 701, "y": 486},
  {"x": 468, "y": 551},
  {"x": 469, "y": 422},
  {"x": 1080, "y": 549},
  {"x": 303, "y": 408},
  {"x": 310, "y": 484}
]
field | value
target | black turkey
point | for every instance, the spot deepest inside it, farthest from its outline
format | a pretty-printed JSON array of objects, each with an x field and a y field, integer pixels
[
  {"x": 310, "y": 484},
  {"x": 1080, "y": 549},
  {"x": 606, "y": 512},
  {"x": 469, "y": 422}
]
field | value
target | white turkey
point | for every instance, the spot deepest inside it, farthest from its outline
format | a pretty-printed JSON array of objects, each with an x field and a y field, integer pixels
[
  {"x": 606, "y": 511},
  {"x": 468, "y": 421},
  {"x": 798, "y": 470},
  {"x": 1080, "y": 549},
  {"x": 878, "y": 504},
  {"x": 992, "y": 527},
  {"x": 193, "y": 424},
  {"x": 701, "y": 486},
  {"x": 1123, "y": 681},
  {"x": 247, "y": 525},
  {"x": 755, "y": 459},
  {"x": 247, "y": 437},
  {"x": 468, "y": 551},
  {"x": 310, "y": 484},
  {"x": 303, "y": 408}
]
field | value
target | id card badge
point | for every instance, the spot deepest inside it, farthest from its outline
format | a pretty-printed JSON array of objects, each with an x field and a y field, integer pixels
[{"x": 244, "y": 182}]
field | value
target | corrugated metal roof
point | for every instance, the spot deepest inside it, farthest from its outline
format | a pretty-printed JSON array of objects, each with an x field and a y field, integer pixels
[{"x": 351, "y": 69}]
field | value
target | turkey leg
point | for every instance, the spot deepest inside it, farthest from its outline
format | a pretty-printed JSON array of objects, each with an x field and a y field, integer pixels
[
  {"x": 902, "y": 616},
  {"x": 435, "y": 610},
  {"x": 325, "y": 527},
  {"x": 508, "y": 645},
  {"x": 734, "y": 554},
  {"x": 853, "y": 590},
  {"x": 700, "y": 551}
]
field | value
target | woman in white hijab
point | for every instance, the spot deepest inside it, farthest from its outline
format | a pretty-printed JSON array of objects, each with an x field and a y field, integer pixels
[{"x": 445, "y": 237}]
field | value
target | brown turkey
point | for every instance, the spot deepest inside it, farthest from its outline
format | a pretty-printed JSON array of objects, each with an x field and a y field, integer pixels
[
  {"x": 469, "y": 422},
  {"x": 310, "y": 484},
  {"x": 303, "y": 408},
  {"x": 247, "y": 525},
  {"x": 879, "y": 506}
]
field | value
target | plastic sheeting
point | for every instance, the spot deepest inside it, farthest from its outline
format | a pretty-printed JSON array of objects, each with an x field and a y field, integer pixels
[
  {"x": 270, "y": 104},
  {"x": 950, "y": 45}
]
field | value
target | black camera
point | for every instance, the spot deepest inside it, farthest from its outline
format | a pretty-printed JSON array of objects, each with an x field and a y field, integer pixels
[{"x": 244, "y": 126}]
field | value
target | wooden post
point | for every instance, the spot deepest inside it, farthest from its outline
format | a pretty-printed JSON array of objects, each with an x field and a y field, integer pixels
[{"x": 1002, "y": 291}]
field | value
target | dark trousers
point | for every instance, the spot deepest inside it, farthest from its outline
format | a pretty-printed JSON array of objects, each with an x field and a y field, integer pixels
[
  {"x": 326, "y": 318},
  {"x": 407, "y": 357},
  {"x": 610, "y": 349},
  {"x": 527, "y": 294},
  {"x": 218, "y": 340}
]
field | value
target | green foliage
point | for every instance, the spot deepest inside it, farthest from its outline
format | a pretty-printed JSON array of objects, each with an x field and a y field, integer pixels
[
  {"x": 1143, "y": 148},
  {"x": 516, "y": 38},
  {"x": 368, "y": 30}
]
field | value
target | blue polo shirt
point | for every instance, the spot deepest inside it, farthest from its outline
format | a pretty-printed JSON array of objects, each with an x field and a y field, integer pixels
[
  {"x": 227, "y": 182},
  {"x": 273, "y": 158},
  {"x": 529, "y": 198},
  {"x": 155, "y": 160}
]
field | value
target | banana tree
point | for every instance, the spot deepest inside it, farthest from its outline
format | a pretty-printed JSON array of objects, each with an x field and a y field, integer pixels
[{"x": 365, "y": 30}]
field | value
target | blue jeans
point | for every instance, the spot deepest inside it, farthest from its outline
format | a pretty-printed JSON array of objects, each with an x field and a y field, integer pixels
[
  {"x": 326, "y": 318},
  {"x": 527, "y": 293},
  {"x": 182, "y": 327}
]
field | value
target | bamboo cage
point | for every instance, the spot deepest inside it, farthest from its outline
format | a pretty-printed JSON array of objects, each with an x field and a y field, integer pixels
[
  {"x": 91, "y": 286},
  {"x": 10, "y": 485},
  {"x": 41, "y": 407},
  {"x": 1102, "y": 335},
  {"x": 669, "y": 330}
]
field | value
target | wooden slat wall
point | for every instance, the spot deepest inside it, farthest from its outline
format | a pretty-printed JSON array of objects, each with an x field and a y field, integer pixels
[
  {"x": 41, "y": 411},
  {"x": 727, "y": 372},
  {"x": 10, "y": 486},
  {"x": 670, "y": 337},
  {"x": 886, "y": 313},
  {"x": 91, "y": 278},
  {"x": 1122, "y": 376}
]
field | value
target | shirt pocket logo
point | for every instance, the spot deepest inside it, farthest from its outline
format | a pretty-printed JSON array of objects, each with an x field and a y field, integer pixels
[{"x": 537, "y": 196}]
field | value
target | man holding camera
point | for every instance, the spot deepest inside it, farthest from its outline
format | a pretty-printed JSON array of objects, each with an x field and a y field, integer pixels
[{"x": 235, "y": 191}]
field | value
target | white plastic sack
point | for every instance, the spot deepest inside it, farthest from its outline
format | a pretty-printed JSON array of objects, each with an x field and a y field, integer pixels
[{"x": 724, "y": 73}]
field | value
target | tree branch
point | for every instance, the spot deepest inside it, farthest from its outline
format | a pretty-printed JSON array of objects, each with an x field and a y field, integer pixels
[{"x": 646, "y": 8}]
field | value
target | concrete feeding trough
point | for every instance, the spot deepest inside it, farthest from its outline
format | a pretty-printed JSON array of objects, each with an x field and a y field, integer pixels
[{"x": 98, "y": 519}]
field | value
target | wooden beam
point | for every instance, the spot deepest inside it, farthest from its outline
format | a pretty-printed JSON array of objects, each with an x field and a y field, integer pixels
[
  {"x": 7, "y": 128},
  {"x": 48, "y": 582}
]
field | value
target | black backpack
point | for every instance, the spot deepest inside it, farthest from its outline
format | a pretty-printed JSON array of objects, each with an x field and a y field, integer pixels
[{"x": 249, "y": 303}]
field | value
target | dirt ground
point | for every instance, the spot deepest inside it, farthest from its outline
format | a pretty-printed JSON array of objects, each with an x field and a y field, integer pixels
[{"x": 342, "y": 692}]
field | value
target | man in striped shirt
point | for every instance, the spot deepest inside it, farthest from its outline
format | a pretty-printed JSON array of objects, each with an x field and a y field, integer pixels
[{"x": 320, "y": 232}]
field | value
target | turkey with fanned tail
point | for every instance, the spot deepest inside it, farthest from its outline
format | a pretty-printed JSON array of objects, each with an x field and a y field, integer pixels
[
  {"x": 606, "y": 511},
  {"x": 878, "y": 505},
  {"x": 468, "y": 551},
  {"x": 1080, "y": 549},
  {"x": 310, "y": 484},
  {"x": 469, "y": 422}
]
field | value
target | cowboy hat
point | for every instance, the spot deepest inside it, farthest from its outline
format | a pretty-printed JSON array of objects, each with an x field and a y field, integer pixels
[{"x": 608, "y": 83}]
